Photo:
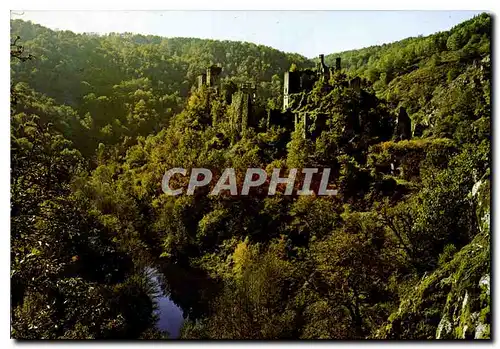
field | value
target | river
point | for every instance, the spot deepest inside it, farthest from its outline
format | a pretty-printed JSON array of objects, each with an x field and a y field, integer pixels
[{"x": 170, "y": 317}]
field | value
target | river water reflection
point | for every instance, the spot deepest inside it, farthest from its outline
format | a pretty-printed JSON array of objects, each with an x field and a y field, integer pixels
[{"x": 170, "y": 317}]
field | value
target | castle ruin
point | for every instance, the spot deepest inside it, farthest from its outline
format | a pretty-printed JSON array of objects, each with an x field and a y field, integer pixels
[
  {"x": 211, "y": 77},
  {"x": 298, "y": 81},
  {"x": 297, "y": 84},
  {"x": 240, "y": 98}
]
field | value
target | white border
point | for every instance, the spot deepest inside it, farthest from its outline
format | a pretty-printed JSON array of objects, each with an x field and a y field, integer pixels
[
  {"x": 486, "y": 5},
  {"x": 255, "y": 5}
]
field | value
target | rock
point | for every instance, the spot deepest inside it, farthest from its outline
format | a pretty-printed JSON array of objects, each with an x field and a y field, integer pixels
[
  {"x": 476, "y": 187},
  {"x": 481, "y": 329},
  {"x": 445, "y": 325},
  {"x": 453, "y": 301},
  {"x": 484, "y": 284}
]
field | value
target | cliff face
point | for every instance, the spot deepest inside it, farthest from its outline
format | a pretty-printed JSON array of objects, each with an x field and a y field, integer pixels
[{"x": 453, "y": 302}]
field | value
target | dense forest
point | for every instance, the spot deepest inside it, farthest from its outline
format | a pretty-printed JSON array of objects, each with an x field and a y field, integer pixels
[{"x": 402, "y": 252}]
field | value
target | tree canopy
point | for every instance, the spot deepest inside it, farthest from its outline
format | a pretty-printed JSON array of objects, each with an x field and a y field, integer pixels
[{"x": 96, "y": 120}]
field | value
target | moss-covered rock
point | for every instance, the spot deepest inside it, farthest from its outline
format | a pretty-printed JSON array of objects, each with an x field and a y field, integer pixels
[{"x": 453, "y": 302}]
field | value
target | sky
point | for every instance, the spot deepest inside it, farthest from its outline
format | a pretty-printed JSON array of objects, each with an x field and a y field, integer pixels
[{"x": 306, "y": 32}]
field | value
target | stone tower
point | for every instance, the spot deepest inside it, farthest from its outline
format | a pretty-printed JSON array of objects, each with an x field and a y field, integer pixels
[
  {"x": 213, "y": 74},
  {"x": 323, "y": 70},
  {"x": 291, "y": 85},
  {"x": 242, "y": 102}
]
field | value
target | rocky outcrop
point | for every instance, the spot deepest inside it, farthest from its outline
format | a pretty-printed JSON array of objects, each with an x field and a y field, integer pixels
[{"x": 453, "y": 302}]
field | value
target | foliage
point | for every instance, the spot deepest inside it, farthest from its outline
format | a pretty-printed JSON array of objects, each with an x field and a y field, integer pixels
[{"x": 97, "y": 120}]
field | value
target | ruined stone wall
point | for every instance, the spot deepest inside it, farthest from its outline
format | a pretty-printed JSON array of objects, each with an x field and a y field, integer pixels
[
  {"x": 202, "y": 80},
  {"x": 213, "y": 74},
  {"x": 240, "y": 112},
  {"x": 291, "y": 85}
]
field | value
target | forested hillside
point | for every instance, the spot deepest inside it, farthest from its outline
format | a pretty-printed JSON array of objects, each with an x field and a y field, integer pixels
[
  {"x": 402, "y": 252},
  {"x": 124, "y": 85},
  {"x": 418, "y": 72}
]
